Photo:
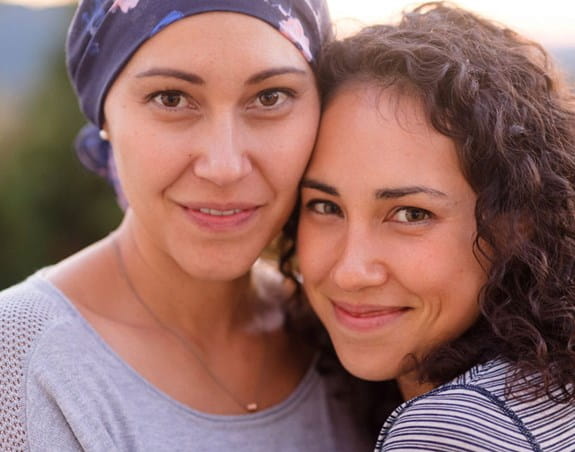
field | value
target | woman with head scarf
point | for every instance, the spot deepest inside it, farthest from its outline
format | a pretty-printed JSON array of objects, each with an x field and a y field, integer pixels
[{"x": 158, "y": 338}]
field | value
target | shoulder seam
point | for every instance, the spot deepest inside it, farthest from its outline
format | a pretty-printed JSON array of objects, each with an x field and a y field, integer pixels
[{"x": 494, "y": 399}]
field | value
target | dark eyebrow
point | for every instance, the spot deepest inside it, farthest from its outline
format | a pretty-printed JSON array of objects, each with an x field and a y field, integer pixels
[
  {"x": 382, "y": 193},
  {"x": 316, "y": 185},
  {"x": 268, "y": 73},
  {"x": 390, "y": 193},
  {"x": 197, "y": 80},
  {"x": 174, "y": 73}
]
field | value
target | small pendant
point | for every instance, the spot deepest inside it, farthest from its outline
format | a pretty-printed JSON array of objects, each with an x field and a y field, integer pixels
[{"x": 252, "y": 407}]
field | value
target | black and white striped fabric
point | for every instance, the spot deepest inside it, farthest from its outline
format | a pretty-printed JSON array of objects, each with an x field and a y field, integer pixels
[{"x": 474, "y": 412}]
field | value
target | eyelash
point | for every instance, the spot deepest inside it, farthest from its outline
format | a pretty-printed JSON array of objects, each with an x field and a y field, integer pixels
[
  {"x": 319, "y": 206},
  {"x": 288, "y": 93},
  {"x": 156, "y": 98},
  {"x": 428, "y": 215},
  {"x": 314, "y": 204}
]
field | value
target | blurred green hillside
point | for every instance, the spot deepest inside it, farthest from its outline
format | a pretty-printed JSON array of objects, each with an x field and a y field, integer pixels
[{"x": 50, "y": 206}]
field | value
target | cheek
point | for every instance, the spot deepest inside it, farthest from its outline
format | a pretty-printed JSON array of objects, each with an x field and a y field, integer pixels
[
  {"x": 438, "y": 267},
  {"x": 297, "y": 135},
  {"x": 468, "y": 275},
  {"x": 313, "y": 253},
  {"x": 449, "y": 285},
  {"x": 284, "y": 158},
  {"x": 469, "y": 280},
  {"x": 144, "y": 163}
]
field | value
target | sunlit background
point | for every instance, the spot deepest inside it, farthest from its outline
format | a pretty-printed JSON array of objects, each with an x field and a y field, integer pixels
[
  {"x": 49, "y": 205},
  {"x": 552, "y": 21}
]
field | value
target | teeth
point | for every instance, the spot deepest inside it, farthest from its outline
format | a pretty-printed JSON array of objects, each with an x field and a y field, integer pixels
[{"x": 220, "y": 213}]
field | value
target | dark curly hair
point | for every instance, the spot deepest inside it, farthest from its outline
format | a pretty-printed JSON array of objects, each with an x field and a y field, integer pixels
[{"x": 496, "y": 94}]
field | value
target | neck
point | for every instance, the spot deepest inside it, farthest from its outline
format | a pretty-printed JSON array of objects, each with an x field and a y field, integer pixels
[
  {"x": 410, "y": 386},
  {"x": 195, "y": 307}
]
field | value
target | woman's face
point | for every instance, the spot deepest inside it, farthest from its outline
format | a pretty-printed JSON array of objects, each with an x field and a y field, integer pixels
[
  {"x": 212, "y": 123},
  {"x": 386, "y": 234}
]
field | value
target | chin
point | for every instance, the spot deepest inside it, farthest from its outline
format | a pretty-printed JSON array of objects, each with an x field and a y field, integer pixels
[
  {"x": 221, "y": 272},
  {"x": 367, "y": 373},
  {"x": 366, "y": 366},
  {"x": 219, "y": 263}
]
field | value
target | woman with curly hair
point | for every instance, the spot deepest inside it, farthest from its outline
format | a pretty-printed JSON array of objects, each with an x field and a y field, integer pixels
[{"x": 436, "y": 235}]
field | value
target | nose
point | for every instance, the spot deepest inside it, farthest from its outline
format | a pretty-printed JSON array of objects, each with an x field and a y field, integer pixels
[
  {"x": 358, "y": 266},
  {"x": 222, "y": 159}
]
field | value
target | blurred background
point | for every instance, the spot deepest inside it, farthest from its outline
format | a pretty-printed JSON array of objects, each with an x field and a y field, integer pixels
[{"x": 49, "y": 205}]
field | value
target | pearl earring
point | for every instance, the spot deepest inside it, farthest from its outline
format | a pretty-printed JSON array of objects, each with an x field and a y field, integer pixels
[{"x": 103, "y": 135}]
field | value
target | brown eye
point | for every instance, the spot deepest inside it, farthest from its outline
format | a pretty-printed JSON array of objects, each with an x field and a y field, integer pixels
[
  {"x": 170, "y": 99},
  {"x": 323, "y": 207},
  {"x": 269, "y": 98},
  {"x": 415, "y": 215},
  {"x": 412, "y": 215},
  {"x": 272, "y": 102},
  {"x": 272, "y": 99}
]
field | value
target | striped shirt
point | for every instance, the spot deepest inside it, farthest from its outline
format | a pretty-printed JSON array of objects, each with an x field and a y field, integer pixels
[{"x": 474, "y": 413}]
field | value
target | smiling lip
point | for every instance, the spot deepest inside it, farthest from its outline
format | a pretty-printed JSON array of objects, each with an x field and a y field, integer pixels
[
  {"x": 364, "y": 318},
  {"x": 221, "y": 217}
]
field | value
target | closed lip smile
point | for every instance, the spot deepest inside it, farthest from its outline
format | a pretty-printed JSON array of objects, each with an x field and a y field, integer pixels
[{"x": 366, "y": 317}]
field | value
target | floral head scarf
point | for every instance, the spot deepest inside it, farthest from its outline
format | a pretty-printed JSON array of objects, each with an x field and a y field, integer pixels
[{"x": 104, "y": 34}]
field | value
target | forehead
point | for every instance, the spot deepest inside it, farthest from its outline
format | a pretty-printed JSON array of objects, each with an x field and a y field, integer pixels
[
  {"x": 221, "y": 38},
  {"x": 381, "y": 137}
]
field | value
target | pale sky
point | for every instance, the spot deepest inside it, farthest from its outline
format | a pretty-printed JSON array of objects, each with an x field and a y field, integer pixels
[{"x": 550, "y": 21}]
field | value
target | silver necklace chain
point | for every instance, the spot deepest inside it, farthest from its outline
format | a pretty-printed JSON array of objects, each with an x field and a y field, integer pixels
[{"x": 250, "y": 407}]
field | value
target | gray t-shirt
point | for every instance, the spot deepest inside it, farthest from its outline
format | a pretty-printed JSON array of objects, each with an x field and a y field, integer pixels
[{"x": 63, "y": 389}]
